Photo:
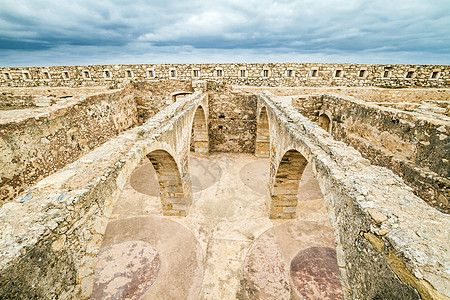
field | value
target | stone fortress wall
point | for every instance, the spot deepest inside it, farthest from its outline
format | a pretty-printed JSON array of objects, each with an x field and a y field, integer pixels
[
  {"x": 414, "y": 147},
  {"x": 37, "y": 144},
  {"x": 58, "y": 126},
  {"x": 388, "y": 244},
  {"x": 381, "y": 239},
  {"x": 256, "y": 74},
  {"x": 59, "y": 225}
]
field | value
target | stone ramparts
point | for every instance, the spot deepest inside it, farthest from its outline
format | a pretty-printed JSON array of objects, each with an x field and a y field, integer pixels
[{"x": 256, "y": 74}]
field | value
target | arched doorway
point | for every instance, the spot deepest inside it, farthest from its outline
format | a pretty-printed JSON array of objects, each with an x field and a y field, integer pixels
[{"x": 325, "y": 122}]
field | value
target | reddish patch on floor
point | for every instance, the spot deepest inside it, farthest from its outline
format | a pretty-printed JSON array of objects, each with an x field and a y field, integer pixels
[
  {"x": 125, "y": 270},
  {"x": 315, "y": 274}
]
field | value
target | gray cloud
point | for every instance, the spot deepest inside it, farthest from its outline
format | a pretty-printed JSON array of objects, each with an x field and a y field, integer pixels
[{"x": 112, "y": 31}]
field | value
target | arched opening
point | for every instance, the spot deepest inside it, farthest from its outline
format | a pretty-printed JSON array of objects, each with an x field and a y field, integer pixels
[
  {"x": 178, "y": 95},
  {"x": 283, "y": 194},
  {"x": 325, "y": 122},
  {"x": 262, "y": 144},
  {"x": 175, "y": 202},
  {"x": 199, "y": 137}
]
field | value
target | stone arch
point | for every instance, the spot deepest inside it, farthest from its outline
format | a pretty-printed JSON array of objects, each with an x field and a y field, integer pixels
[
  {"x": 200, "y": 132},
  {"x": 175, "y": 200},
  {"x": 283, "y": 193},
  {"x": 262, "y": 144},
  {"x": 179, "y": 94},
  {"x": 325, "y": 121}
]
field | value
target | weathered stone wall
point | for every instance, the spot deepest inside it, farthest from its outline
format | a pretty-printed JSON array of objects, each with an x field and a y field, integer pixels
[
  {"x": 10, "y": 101},
  {"x": 388, "y": 247},
  {"x": 18, "y": 98},
  {"x": 152, "y": 96},
  {"x": 414, "y": 146},
  {"x": 368, "y": 94},
  {"x": 390, "y": 243},
  {"x": 258, "y": 74},
  {"x": 50, "y": 238},
  {"x": 232, "y": 119},
  {"x": 39, "y": 143}
]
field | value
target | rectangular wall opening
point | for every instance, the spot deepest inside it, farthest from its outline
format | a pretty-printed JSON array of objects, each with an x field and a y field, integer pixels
[
  {"x": 338, "y": 73},
  {"x": 435, "y": 75},
  {"x": 410, "y": 74},
  {"x": 26, "y": 76}
]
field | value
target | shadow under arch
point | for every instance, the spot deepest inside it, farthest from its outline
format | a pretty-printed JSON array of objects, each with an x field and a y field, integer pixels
[
  {"x": 174, "y": 197},
  {"x": 283, "y": 193},
  {"x": 262, "y": 143},
  {"x": 199, "y": 136}
]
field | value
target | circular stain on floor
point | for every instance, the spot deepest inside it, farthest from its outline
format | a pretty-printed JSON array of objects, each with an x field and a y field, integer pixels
[
  {"x": 204, "y": 173},
  {"x": 315, "y": 275},
  {"x": 125, "y": 270},
  {"x": 144, "y": 180},
  {"x": 255, "y": 175},
  {"x": 273, "y": 263}
]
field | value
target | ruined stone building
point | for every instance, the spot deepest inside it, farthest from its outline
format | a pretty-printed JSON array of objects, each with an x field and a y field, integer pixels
[{"x": 225, "y": 181}]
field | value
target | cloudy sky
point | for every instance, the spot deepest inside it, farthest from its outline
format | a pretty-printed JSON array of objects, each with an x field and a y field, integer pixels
[{"x": 61, "y": 32}]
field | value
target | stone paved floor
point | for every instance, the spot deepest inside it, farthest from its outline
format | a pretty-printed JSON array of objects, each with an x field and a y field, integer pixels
[{"x": 227, "y": 247}]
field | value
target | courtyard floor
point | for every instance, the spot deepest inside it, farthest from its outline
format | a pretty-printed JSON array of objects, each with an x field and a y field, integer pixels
[{"x": 226, "y": 248}]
